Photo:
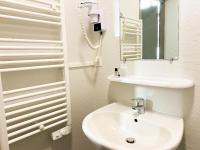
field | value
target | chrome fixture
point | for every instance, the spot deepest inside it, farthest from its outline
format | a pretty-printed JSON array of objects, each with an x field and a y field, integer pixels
[{"x": 139, "y": 106}]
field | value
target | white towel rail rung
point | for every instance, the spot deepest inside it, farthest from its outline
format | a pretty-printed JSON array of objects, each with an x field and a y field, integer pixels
[
  {"x": 126, "y": 49},
  {"x": 131, "y": 48},
  {"x": 32, "y": 68},
  {"x": 131, "y": 44},
  {"x": 131, "y": 33},
  {"x": 33, "y": 87},
  {"x": 29, "y": 6},
  {"x": 30, "y": 41},
  {"x": 29, "y": 20},
  {"x": 125, "y": 52},
  {"x": 131, "y": 30},
  {"x": 32, "y": 114},
  {"x": 35, "y": 106},
  {"x": 132, "y": 27},
  {"x": 21, "y": 124},
  {"x": 55, "y": 124},
  {"x": 128, "y": 18},
  {"x": 132, "y": 23},
  {"x": 37, "y": 131},
  {"x": 35, "y": 100},
  {"x": 30, "y": 54},
  {"x": 36, "y": 125},
  {"x": 134, "y": 58},
  {"x": 34, "y": 14},
  {"x": 33, "y": 94},
  {"x": 46, "y": 2},
  {"x": 30, "y": 48},
  {"x": 131, "y": 55},
  {"x": 31, "y": 61}
]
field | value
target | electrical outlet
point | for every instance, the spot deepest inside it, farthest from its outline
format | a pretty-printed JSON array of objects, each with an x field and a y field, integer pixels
[
  {"x": 60, "y": 133},
  {"x": 65, "y": 130},
  {"x": 56, "y": 135}
]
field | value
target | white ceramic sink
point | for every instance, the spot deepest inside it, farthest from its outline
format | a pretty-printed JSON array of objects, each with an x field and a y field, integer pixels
[{"x": 111, "y": 125}]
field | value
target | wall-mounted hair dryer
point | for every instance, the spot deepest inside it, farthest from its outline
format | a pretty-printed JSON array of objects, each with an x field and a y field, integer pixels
[
  {"x": 96, "y": 16},
  {"x": 97, "y": 23}
]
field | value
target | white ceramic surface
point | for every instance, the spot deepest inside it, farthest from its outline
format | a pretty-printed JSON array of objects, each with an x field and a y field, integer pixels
[
  {"x": 154, "y": 81},
  {"x": 109, "y": 127}
]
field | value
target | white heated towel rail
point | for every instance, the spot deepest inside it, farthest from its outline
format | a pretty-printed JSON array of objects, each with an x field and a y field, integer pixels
[
  {"x": 32, "y": 109},
  {"x": 131, "y": 39}
]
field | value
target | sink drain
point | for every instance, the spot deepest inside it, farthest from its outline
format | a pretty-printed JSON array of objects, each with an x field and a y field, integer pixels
[{"x": 130, "y": 140}]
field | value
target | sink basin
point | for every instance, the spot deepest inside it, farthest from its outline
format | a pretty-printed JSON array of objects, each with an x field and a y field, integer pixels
[{"x": 117, "y": 127}]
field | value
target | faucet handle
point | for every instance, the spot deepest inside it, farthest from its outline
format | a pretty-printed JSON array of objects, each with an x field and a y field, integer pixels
[
  {"x": 140, "y": 105},
  {"x": 139, "y": 101}
]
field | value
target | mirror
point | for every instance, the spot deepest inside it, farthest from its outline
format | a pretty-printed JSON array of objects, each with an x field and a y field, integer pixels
[{"x": 149, "y": 29}]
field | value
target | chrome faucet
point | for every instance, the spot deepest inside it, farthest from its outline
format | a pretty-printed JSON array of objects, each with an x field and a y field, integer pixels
[{"x": 139, "y": 105}]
